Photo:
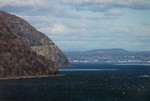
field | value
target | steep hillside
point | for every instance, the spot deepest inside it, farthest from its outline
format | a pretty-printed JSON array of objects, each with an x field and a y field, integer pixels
[
  {"x": 26, "y": 52},
  {"x": 35, "y": 39}
]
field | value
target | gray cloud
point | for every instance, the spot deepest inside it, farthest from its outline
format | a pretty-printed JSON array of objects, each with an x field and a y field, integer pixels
[
  {"x": 76, "y": 24},
  {"x": 114, "y": 12},
  {"x": 104, "y": 5}
]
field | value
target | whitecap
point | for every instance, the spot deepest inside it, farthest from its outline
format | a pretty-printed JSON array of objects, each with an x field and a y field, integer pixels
[{"x": 146, "y": 76}]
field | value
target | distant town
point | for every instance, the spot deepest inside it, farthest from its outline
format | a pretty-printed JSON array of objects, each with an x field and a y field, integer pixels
[{"x": 109, "y": 56}]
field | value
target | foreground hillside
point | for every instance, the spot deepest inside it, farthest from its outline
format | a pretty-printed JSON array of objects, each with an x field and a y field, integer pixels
[{"x": 26, "y": 52}]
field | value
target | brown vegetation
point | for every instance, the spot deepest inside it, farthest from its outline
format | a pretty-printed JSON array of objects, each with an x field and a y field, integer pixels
[{"x": 18, "y": 59}]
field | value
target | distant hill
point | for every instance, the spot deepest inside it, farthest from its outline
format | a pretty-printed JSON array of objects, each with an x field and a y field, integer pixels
[{"x": 109, "y": 55}]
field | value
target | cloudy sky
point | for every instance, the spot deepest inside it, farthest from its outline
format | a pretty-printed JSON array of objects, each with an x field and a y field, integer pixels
[{"x": 88, "y": 24}]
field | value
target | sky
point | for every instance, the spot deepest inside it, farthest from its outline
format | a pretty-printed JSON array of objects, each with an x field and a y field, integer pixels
[{"x": 78, "y": 25}]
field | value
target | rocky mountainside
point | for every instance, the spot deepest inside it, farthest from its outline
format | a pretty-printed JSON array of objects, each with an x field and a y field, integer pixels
[{"x": 24, "y": 51}]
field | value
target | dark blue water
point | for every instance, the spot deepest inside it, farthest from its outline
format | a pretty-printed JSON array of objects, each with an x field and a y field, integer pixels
[{"x": 83, "y": 82}]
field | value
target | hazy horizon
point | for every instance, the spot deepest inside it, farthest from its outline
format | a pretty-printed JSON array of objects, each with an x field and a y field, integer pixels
[
  {"x": 78, "y": 25},
  {"x": 103, "y": 49}
]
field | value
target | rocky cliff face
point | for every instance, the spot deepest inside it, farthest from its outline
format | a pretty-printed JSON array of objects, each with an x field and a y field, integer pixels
[
  {"x": 51, "y": 52},
  {"x": 24, "y": 51}
]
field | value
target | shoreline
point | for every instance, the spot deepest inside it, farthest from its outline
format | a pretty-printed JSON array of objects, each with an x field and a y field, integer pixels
[{"x": 32, "y": 77}]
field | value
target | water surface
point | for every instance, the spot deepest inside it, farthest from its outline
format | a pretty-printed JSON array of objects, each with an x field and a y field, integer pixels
[{"x": 83, "y": 82}]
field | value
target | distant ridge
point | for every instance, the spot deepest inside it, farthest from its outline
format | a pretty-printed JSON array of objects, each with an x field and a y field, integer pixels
[{"x": 109, "y": 55}]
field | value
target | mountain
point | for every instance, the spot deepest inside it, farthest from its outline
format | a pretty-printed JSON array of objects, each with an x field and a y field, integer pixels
[
  {"x": 24, "y": 51},
  {"x": 109, "y": 55}
]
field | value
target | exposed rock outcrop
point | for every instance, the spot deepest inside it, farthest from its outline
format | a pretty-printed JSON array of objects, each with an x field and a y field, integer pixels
[
  {"x": 51, "y": 52},
  {"x": 24, "y": 51}
]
